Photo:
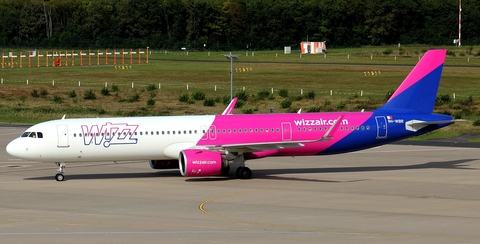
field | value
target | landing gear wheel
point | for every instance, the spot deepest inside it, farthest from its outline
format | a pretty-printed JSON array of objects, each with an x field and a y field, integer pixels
[
  {"x": 225, "y": 171},
  {"x": 61, "y": 170},
  {"x": 59, "y": 177},
  {"x": 244, "y": 173},
  {"x": 237, "y": 172}
]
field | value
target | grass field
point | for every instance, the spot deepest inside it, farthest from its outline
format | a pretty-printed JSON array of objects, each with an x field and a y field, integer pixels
[{"x": 338, "y": 80}]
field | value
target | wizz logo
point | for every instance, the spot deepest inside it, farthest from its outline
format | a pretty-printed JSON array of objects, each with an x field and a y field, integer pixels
[{"x": 109, "y": 134}]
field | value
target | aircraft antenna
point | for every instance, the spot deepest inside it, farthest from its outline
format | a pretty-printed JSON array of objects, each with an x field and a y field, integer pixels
[{"x": 459, "y": 23}]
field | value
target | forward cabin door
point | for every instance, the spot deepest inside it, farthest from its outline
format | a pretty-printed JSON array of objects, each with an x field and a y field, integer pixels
[{"x": 62, "y": 136}]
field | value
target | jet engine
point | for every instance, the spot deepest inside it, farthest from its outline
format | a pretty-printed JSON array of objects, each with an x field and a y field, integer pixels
[
  {"x": 164, "y": 164},
  {"x": 195, "y": 163}
]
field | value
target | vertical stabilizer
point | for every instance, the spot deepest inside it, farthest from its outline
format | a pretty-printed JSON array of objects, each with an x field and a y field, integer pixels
[{"x": 419, "y": 90}]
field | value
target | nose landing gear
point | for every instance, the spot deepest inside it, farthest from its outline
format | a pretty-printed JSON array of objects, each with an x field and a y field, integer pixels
[{"x": 61, "y": 169}]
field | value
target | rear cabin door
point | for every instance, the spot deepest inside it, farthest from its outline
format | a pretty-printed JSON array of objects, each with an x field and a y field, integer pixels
[{"x": 381, "y": 127}]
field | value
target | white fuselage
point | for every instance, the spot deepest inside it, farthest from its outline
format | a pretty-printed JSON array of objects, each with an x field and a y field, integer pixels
[{"x": 112, "y": 139}]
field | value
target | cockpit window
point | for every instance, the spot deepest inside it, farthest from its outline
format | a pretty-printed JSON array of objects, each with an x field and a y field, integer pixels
[{"x": 32, "y": 134}]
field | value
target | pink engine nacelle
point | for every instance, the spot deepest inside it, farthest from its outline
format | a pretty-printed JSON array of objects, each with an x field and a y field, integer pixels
[{"x": 195, "y": 163}]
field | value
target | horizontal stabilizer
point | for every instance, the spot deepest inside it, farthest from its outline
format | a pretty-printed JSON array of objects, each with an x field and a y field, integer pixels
[{"x": 415, "y": 125}]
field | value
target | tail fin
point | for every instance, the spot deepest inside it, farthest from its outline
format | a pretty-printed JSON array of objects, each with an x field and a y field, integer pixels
[{"x": 419, "y": 90}]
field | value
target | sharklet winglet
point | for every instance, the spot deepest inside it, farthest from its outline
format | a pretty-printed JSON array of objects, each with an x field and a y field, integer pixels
[
  {"x": 229, "y": 109},
  {"x": 325, "y": 137}
]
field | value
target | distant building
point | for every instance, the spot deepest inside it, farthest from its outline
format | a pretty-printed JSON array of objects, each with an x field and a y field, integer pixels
[{"x": 313, "y": 47}]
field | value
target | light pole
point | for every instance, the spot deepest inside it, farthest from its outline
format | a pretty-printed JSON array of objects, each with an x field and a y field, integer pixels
[{"x": 231, "y": 57}]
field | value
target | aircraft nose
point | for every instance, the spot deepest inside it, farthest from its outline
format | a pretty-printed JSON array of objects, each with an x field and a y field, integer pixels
[{"x": 12, "y": 148}]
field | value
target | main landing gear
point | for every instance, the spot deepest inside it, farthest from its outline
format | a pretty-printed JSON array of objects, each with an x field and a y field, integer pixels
[
  {"x": 243, "y": 173},
  {"x": 61, "y": 169},
  {"x": 238, "y": 161}
]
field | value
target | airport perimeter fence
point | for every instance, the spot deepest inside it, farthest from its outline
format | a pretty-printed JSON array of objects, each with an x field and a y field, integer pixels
[
  {"x": 31, "y": 59},
  {"x": 220, "y": 89}
]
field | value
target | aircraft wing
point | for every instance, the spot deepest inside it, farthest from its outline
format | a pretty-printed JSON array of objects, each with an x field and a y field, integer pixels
[
  {"x": 256, "y": 147},
  {"x": 263, "y": 146}
]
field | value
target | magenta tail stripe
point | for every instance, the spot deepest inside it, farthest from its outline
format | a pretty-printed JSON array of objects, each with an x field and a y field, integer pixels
[{"x": 430, "y": 61}]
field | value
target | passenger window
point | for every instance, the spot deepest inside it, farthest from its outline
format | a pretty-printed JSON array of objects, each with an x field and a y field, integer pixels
[
  {"x": 368, "y": 127},
  {"x": 141, "y": 133},
  {"x": 79, "y": 134}
]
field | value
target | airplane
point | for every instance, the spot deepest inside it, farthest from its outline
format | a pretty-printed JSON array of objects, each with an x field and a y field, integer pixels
[{"x": 210, "y": 145}]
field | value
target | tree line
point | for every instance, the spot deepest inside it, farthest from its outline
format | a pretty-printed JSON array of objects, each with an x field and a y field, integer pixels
[{"x": 233, "y": 24}]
